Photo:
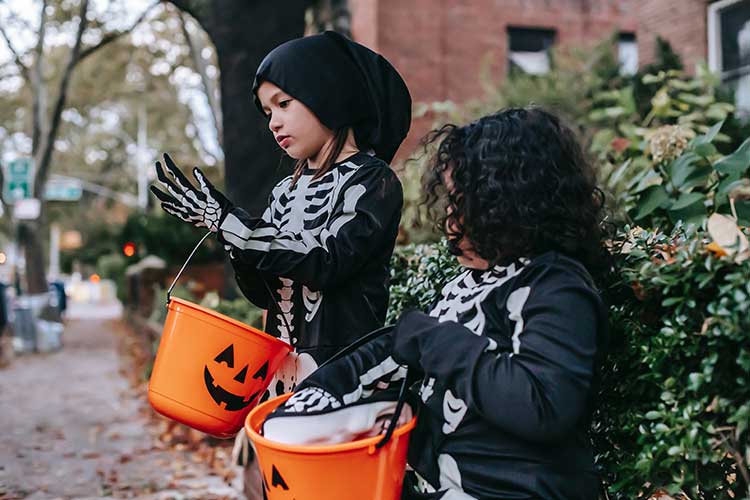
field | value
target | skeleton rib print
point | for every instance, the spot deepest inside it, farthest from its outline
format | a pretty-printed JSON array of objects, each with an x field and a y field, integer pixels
[
  {"x": 322, "y": 246},
  {"x": 298, "y": 218}
]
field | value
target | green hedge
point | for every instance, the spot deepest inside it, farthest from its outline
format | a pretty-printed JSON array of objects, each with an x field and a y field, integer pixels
[{"x": 675, "y": 397}]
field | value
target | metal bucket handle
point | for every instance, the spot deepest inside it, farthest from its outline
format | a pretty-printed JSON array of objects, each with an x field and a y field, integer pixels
[{"x": 179, "y": 273}]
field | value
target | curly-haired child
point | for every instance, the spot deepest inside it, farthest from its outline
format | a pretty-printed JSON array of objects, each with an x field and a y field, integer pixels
[{"x": 509, "y": 353}]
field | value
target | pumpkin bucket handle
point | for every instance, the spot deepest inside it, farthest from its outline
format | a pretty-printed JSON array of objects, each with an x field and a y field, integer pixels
[{"x": 179, "y": 273}]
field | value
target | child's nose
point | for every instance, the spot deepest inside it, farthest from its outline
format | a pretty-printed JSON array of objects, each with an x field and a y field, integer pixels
[{"x": 274, "y": 124}]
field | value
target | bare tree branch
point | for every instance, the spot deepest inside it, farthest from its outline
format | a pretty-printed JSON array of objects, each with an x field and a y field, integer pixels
[
  {"x": 44, "y": 154},
  {"x": 39, "y": 88},
  {"x": 111, "y": 37},
  {"x": 193, "y": 7},
  {"x": 208, "y": 85},
  {"x": 16, "y": 56}
]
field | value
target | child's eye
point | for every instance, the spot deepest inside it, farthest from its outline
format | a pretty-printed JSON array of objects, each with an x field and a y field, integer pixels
[{"x": 285, "y": 103}]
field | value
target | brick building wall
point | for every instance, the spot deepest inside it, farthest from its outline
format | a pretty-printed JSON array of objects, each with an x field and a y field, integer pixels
[
  {"x": 683, "y": 23},
  {"x": 440, "y": 46}
]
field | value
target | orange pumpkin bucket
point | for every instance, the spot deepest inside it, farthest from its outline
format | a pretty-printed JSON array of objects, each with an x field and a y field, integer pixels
[
  {"x": 210, "y": 370},
  {"x": 366, "y": 469}
]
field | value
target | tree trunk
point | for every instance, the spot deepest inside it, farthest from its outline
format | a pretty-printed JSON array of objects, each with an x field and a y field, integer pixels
[
  {"x": 243, "y": 33},
  {"x": 33, "y": 251}
]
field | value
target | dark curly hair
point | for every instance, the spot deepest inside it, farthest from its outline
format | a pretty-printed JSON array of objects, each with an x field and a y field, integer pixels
[{"x": 521, "y": 186}]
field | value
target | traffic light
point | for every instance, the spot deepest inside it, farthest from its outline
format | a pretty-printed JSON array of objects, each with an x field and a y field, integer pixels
[{"x": 129, "y": 249}]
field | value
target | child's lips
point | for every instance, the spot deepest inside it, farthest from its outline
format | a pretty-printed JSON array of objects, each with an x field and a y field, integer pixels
[{"x": 283, "y": 140}]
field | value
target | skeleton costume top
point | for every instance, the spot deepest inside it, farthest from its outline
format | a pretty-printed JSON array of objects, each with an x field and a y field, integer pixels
[
  {"x": 318, "y": 258},
  {"x": 322, "y": 249},
  {"x": 508, "y": 360}
]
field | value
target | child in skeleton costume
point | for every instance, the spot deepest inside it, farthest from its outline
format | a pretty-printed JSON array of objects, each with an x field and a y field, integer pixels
[
  {"x": 508, "y": 355},
  {"x": 319, "y": 257}
]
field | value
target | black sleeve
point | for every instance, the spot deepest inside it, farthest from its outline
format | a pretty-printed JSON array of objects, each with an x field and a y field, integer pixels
[
  {"x": 250, "y": 280},
  {"x": 359, "y": 375},
  {"x": 253, "y": 284},
  {"x": 541, "y": 389},
  {"x": 364, "y": 218}
]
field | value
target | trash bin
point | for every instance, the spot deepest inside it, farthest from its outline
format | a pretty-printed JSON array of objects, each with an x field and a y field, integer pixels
[
  {"x": 24, "y": 328},
  {"x": 36, "y": 323}
]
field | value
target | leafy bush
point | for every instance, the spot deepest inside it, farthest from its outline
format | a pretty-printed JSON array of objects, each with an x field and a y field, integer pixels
[
  {"x": 688, "y": 180},
  {"x": 240, "y": 309},
  {"x": 675, "y": 399},
  {"x": 166, "y": 237},
  {"x": 675, "y": 395},
  {"x": 418, "y": 273}
]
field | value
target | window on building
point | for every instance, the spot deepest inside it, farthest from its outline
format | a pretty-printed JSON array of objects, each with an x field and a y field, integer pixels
[
  {"x": 529, "y": 50},
  {"x": 627, "y": 53},
  {"x": 729, "y": 47}
]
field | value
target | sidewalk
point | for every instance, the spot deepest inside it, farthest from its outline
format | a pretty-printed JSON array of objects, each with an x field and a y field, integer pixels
[{"x": 71, "y": 427}]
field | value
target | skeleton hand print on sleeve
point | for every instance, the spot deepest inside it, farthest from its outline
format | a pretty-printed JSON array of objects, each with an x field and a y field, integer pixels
[{"x": 311, "y": 399}]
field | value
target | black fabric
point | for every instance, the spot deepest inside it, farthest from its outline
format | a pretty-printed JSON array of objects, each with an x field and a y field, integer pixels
[
  {"x": 344, "y": 84},
  {"x": 319, "y": 258},
  {"x": 509, "y": 359}
]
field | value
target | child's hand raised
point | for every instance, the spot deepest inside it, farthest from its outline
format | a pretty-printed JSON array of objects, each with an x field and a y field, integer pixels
[{"x": 204, "y": 207}]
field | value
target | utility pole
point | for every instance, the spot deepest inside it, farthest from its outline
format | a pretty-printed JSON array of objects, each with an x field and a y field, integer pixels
[{"x": 54, "y": 251}]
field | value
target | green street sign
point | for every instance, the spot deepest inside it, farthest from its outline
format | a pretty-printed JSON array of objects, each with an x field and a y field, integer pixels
[
  {"x": 63, "y": 190},
  {"x": 19, "y": 180}
]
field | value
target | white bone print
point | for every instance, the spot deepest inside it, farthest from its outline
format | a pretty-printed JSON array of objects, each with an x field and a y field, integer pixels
[
  {"x": 299, "y": 215},
  {"x": 286, "y": 304},
  {"x": 462, "y": 298},
  {"x": 514, "y": 304},
  {"x": 454, "y": 409},
  {"x": 312, "y": 301},
  {"x": 427, "y": 389}
]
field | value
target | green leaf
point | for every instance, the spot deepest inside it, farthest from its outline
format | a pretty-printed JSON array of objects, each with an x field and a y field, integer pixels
[
  {"x": 705, "y": 150},
  {"x": 674, "y": 450},
  {"x": 689, "y": 208},
  {"x": 736, "y": 163},
  {"x": 681, "y": 168},
  {"x": 709, "y": 136},
  {"x": 743, "y": 212},
  {"x": 651, "y": 79},
  {"x": 726, "y": 185},
  {"x": 602, "y": 138},
  {"x": 651, "y": 199},
  {"x": 687, "y": 199},
  {"x": 668, "y": 302},
  {"x": 698, "y": 100},
  {"x": 699, "y": 177}
]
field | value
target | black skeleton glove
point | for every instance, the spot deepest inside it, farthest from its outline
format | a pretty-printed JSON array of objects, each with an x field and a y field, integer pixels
[{"x": 204, "y": 207}]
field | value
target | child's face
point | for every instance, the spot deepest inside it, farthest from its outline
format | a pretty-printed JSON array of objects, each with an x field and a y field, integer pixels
[
  {"x": 296, "y": 129},
  {"x": 468, "y": 258}
]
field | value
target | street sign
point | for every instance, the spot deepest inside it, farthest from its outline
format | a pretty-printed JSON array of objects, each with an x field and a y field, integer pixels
[
  {"x": 27, "y": 209},
  {"x": 63, "y": 190},
  {"x": 19, "y": 179}
]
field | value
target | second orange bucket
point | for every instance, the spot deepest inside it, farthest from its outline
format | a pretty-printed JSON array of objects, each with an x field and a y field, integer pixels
[
  {"x": 210, "y": 370},
  {"x": 348, "y": 471}
]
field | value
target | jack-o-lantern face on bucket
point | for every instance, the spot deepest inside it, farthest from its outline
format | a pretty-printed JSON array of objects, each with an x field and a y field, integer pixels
[
  {"x": 276, "y": 485},
  {"x": 224, "y": 370}
]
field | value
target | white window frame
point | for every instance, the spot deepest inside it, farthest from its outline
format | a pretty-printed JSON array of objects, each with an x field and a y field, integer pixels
[
  {"x": 714, "y": 34},
  {"x": 715, "y": 62}
]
